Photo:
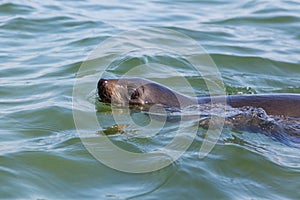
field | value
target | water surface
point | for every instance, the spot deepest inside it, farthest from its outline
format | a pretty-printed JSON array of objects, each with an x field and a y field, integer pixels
[{"x": 254, "y": 43}]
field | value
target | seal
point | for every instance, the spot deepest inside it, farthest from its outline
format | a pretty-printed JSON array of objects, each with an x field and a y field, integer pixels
[
  {"x": 275, "y": 115},
  {"x": 143, "y": 93}
]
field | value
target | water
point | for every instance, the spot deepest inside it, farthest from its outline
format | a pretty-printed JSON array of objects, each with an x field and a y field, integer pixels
[{"x": 255, "y": 45}]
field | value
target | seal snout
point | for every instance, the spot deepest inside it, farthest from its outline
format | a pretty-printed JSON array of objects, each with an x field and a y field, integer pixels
[
  {"x": 102, "y": 82},
  {"x": 104, "y": 91}
]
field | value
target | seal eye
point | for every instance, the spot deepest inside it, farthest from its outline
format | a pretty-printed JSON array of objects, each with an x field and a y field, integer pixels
[{"x": 135, "y": 94}]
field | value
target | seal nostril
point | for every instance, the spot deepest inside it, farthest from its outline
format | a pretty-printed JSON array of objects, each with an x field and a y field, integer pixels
[
  {"x": 102, "y": 83},
  {"x": 102, "y": 80}
]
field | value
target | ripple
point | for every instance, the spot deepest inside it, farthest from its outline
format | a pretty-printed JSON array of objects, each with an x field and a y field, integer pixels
[
  {"x": 261, "y": 20},
  {"x": 47, "y": 143},
  {"x": 15, "y": 9}
]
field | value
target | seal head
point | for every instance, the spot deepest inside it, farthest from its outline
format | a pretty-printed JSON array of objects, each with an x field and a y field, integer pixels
[{"x": 139, "y": 92}]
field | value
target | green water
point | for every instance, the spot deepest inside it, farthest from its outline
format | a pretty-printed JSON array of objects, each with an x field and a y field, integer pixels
[{"x": 255, "y": 44}]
